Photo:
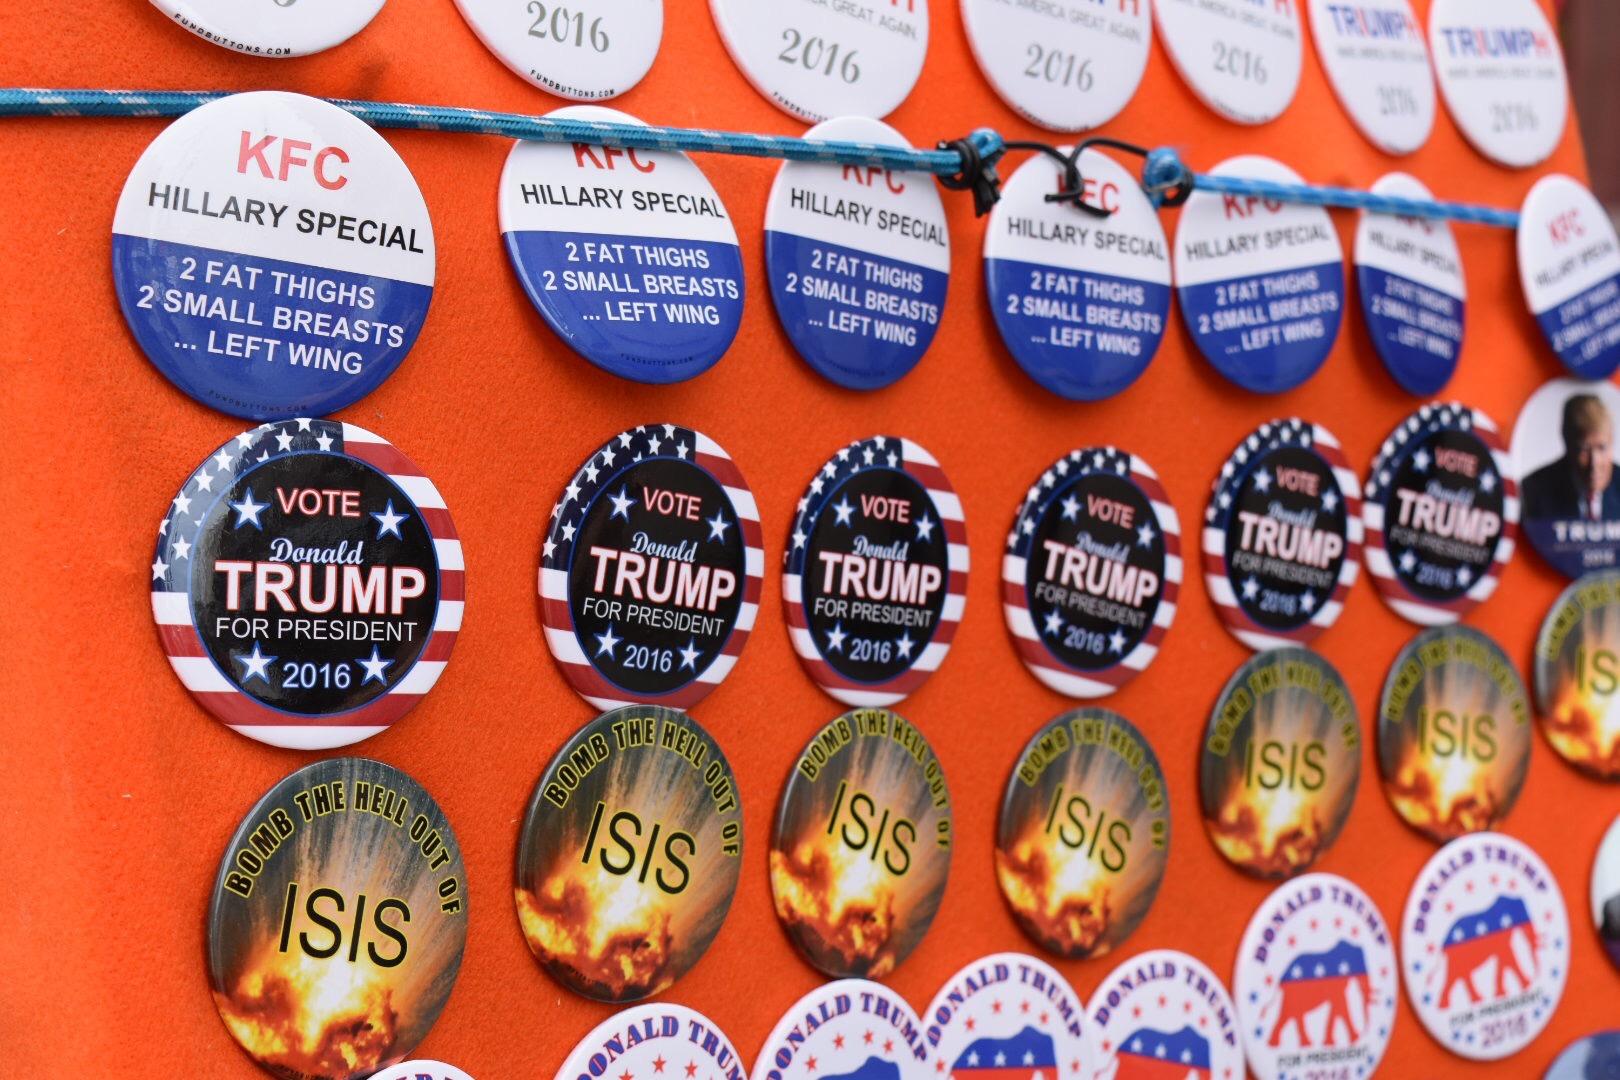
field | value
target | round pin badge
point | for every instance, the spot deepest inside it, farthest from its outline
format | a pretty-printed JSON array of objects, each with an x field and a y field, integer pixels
[
  {"x": 1243, "y": 61},
  {"x": 272, "y": 255},
  {"x": 852, "y": 1029},
  {"x": 1316, "y": 982},
  {"x": 1606, "y": 892},
  {"x": 1577, "y": 675},
  {"x": 815, "y": 61},
  {"x": 1591, "y": 1057},
  {"x": 862, "y": 845},
  {"x": 1084, "y": 834},
  {"x": 651, "y": 569},
  {"x": 1441, "y": 512},
  {"x": 652, "y": 1039},
  {"x": 1409, "y": 275},
  {"x": 1569, "y": 267},
  {"x": 1282, "y": 535},
  {"x": 1092, "y": 571},
  {"x": 1377, "y": 62},
  {"x": 1485, "y": 946},
  {"x": 308, "y": 584},
  {"x": 875, "y": 573},
  {"x": 337, "y": 921},
  {"x": 421, "y": 1069},
  {"x": 629, "y": 255},
  {"x": 1501, "y": 72},
  {"x": 1068, "y": 66},
  {"x": 1007, "y": 1015},
  {"x": 1081, "y": 301},
  {"x": 584, "y": 53},
  {"x": 279, "y": 29},
  {"x": 1162, "y": 1013},
  {"x": 1260, "y": 281},
  {"x": 1280, "y": 763},
  {"x": 1453, "y": 733},
  {"x": 1563, "y": 450},
  {"x": 629, "y": 854},
  {"x": 858, "y": 260}
]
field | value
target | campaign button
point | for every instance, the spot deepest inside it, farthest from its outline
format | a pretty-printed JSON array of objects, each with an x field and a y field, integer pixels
[
  {"x": 858, "y": 259},
  {"x": 308, "y": 584},
  {"x": 1006, "y": 1015},
  {"x": 1563, "y": 450},
  {"x": 1590, "y": 1056},
  {"x": 272, "y": 256},
  {"x": 852, "y": 1029},
  {"x": 586, "y": 53},
  {"x": 1260, "y": 280},
  {"x": 337, "y": 922},
  {"x": 282, "y": 28},
  {"x": 1577, "y": 672},
  {"x": 1377, "y": 62},
  {"x": 1409, "y": 275},
  {"x": 421, "y": 1069},
  {"x": 1164, "y": 1013},
  {"x": 629, "y": 255},
  {"x": 1081, "y": 302},
  {"x": 646, "y": 1040},
  {"x": 1569, "y": 265},
  {"x": 1243, "y": 61},
  {"x": 1606, "y": 894},
  {"x": 1501, "y": 72}
]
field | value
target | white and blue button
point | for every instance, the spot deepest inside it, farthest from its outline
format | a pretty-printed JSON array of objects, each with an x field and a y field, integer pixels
[{"x": 1569, "y": 265}]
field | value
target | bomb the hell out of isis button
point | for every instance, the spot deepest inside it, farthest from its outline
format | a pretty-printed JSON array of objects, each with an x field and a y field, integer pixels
[
  {"x": 337, "y": 922},
  {"x": 1009, "y": 1013},
  {"x": 1577, "y": 675},
  {"x": 651, "y": 569},
  {"x": 307, "y": 584}
]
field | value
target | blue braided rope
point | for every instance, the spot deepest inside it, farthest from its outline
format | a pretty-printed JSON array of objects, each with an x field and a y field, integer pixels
[
  {"x": 25, "y": 101},
  {"x": 1164, "y": 171}
]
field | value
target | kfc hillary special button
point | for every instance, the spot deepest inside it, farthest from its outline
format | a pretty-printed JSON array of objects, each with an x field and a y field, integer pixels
[
  {"x": 1092, "y": 571},
  {"x": 859, "y": 259},
  {"x": 851, "y": 1029},
  {"x": 586, "y": 52},
  {"x": 279, "y": 28},
  {"x": 1261, "y": 281},
  {"x": 1563, "y": 450},
  {"x": 875, "y": 573},
  {"x": 337, "y": 921},
  {"x": 307, "y": 584},
  {"x": 651, "y": 569},
  {"x": 1068, "y": 66},
  {"x": 1282, "y": 534},
  {"x": 1010, "y": 1016},
  {"x": 1569, "y": 266},
  {"x": 272, "y": 256},
  {"x": 1485, "y": 946},
  {"x": 862, "y": 845},
  {"x": 1081, "y": 301},
  {"x": 1280, "y": 763},
  {"x": 1577, "y": 674},
  {"x": 816, "y": 60},
  {"x": 644, "y": 1042},
  {"x": 1409, "y": 275},
  {"x": 1501, "y": 73},
  {"x": 1377, "y": 61},
  {"x": 1453, "y": 733},
  {"x": 629, "y": 255},
  {"x": 629, "y": 855},
  {"x": 1441, "y": 510},
  {"x": 1084, "y": 833},
  {"x": 1316, "y": 982},
  {"x": 1242, "y": 59},
  {"x": 1162, "y": 1013}
]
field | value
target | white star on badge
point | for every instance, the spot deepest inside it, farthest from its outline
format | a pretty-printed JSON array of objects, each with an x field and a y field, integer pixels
[
  {"x": 621, "y": 505},
  {"x": 567, "y": 532},
  {"x": 1330, "y": 500},
  {"x": 284, "y": 441},
  {"x": 690, "y": 654},
  {"x": 159, "y": 569},
  {"x": 718, "y": 526},
  {"x": 205, "y": 481},
  {"x": 1251, "y": 589},
  {"x": 652, "y": 444},
  {"x": 606, "y": 643},
  {"x": 973, "y": 1057},
  {"x": 1464, "y": 575},
  {"x": 904, "y": 645},
  {"x": 182, "y": 548},
  {"x": 894, "y": 460},
  {"x": 799, "y": 538},
  {"x": 843, "y": 508},
  {"x": 248, "y": 511},
  {"x": 1054, "y": 622},
  {"x": 1071, "y": 508},
  {"x": 303, "y": 423},
  {"x": 1421, "y": 460},
  {"x": 1145, "y": 535},
  {"x": 551, "y": 546},
  {"x": 1487, "y": 481},
  {"x": 867, "y": 456},
  {"x": 1116, "y": 641},
  {"x": 571, "y": 492},
  {"x": 223, "y": 458},
  {"x": 1027, "y": 526},
  {"x": 835, "y": 638},
  {"x": 681, "y": 451},
  {"x": 1408, "y": 562},
  {"x": 1001, "y": 1059},
  {"x": 1262, "y": 480},
  {"x": 182, "y": 503},
  {"x": 324, "y": 441},
  {"x": 374, "y": 668},
  {"x": 255, "y": 666},
  {"x": 624, "y": 439},
  {"x": 925, "y": 528},
  {"x": 591, "y": 471},
  {"x": 1225, "y": 500},
  {"x": 829, "y": 470},
  {"x": 1307, "y": 600},
  {"x": 1159, "y": 1051},
  {"x": 388, "y": 521},
  {"x": 246, "y": 438}
]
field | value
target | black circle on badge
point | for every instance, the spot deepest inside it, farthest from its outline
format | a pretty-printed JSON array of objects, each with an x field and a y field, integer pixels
[
  {"x": 650, "y": 576},
  {"x": 630, "y": 853},
  {"x": 337, "y": 921},
  {"x": 862, "y": 845},
  {"x": 1084, "y": 833}
]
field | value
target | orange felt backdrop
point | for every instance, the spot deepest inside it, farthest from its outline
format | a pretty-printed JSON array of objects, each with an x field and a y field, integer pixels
[{"x": 119, "y": 793}]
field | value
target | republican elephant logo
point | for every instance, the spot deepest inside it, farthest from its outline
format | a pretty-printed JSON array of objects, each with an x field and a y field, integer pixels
[
  {"x": 1148, "y": 1054},
  {"x": 1477, "y": 938},
  {"x": 1314, "y": 980}
]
